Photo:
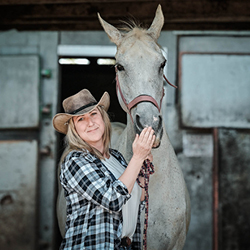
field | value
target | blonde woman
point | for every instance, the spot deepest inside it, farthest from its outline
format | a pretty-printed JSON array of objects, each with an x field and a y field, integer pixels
[{"x": 100, "y": 188}]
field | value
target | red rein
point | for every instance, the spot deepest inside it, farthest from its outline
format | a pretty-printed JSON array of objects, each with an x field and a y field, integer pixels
[{"x": 146, "y": 170}]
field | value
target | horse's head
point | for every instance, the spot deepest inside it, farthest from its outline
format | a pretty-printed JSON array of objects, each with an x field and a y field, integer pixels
[{"x": 139, "y": 73}]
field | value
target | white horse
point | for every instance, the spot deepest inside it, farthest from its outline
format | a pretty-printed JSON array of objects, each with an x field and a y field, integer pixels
[{"x": 139, "y": 66}]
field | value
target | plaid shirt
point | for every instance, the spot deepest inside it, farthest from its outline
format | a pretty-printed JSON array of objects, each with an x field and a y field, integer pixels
[{"x": 94, "y": 203}]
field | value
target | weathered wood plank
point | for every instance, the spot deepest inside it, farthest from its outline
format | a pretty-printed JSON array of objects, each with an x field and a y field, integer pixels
[
  {"x": 82, "y": 15},
  {"x": 39, "y": 2}
]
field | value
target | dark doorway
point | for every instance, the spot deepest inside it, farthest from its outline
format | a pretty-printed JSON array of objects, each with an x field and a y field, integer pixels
[{"x": 95, "y": 77}]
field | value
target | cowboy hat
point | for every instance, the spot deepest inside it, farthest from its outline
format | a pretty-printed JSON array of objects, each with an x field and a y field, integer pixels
[{"x": 81, "y": 103}]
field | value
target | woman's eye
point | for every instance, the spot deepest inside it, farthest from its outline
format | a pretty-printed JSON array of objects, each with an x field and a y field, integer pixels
[
  {"x": 80, "y": 119},
  {"x": 94, "y": 113},
  {"x": 119, "y": 67}
]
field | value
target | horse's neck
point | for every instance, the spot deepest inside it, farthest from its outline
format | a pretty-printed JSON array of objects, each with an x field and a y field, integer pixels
[{"x": 125, "y": 141}]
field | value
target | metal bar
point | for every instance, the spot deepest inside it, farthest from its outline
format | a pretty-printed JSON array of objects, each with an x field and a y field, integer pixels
[{"x": 215, "y": 191}]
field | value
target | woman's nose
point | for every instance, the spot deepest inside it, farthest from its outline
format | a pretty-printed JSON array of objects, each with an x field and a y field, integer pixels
[{"x": 90, "y": 121}]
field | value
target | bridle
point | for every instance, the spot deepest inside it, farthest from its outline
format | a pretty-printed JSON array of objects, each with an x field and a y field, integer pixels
[{"x": 140, "y": 98}]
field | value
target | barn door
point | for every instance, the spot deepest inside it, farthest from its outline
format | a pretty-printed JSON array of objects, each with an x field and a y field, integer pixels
[
  {"x": 19, "y": 122},
  {"x": 214, "y": 96}
]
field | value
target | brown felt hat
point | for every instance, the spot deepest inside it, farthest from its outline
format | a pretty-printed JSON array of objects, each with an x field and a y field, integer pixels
[{"x": 81, "y": 103}]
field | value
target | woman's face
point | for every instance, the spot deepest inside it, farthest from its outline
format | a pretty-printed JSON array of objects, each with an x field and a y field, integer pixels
[{"x": 90, "y": 127}]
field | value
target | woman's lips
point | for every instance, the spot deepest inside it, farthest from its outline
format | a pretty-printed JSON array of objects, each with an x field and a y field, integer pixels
[{"x": 92, "y": 130}]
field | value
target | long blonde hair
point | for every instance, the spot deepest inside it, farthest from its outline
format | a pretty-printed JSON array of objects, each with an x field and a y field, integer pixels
[{"x": 74, "y": 142}]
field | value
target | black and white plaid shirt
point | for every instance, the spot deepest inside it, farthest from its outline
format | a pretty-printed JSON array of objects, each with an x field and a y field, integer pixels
[{"x": 94, "y": 204}]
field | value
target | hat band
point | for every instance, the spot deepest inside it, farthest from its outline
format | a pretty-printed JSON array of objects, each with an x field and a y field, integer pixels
[{"x": 83, "y": 107}]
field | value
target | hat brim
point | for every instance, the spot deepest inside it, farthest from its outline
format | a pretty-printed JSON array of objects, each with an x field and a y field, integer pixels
[{"x": 60, "y": 120}]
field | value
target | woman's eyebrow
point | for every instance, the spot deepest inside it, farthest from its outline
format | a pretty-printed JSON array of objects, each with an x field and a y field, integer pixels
[{"x": 94, "y": 110}]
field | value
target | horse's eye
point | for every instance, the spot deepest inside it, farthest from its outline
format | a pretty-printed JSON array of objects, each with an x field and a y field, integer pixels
[
  {"x": 119, "y": 67},
  {"x": 163, "y": 64}
]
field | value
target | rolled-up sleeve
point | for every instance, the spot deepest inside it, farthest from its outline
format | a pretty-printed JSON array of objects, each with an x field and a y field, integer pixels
[{"x": 89, "y": 181}]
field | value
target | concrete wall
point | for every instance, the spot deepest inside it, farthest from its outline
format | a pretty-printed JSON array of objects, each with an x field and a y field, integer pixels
[
  {"x": 219, "y": 77},
  {"x": 44, "y": 45}
]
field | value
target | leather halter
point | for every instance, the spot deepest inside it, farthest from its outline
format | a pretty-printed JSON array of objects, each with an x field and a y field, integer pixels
[{"x": 140, "y": 98}]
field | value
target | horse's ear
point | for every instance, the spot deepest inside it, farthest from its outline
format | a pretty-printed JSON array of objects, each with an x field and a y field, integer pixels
[
  {"x": 113, "y": 33},
  {"x": 157, "y": 24}
]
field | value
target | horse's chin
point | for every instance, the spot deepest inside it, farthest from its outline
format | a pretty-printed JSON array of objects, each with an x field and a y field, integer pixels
[
  {"x": 158, "y": 137},
  {"x": 157, "y": 143}
]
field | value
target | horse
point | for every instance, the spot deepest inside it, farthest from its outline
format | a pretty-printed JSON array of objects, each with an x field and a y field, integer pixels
[{"x": 139, "y": 78}]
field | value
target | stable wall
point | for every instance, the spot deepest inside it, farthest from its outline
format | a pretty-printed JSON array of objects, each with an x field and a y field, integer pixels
[{"x": 193, "y": 145}]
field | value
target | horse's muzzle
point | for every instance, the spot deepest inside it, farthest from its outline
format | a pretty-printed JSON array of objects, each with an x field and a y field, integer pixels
[{"x": 156, "y": 125}]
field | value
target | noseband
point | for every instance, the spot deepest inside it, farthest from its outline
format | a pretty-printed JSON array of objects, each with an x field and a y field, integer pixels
[{"x": 140, "y": 98}]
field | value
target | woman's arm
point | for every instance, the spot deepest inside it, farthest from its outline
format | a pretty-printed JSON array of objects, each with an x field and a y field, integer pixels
[
  {"x": 142, "y": 146},
  {"x": 89, "y": 181}
]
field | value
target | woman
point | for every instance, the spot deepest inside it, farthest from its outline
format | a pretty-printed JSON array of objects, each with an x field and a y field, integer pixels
[{"x": 100, "y": 188}]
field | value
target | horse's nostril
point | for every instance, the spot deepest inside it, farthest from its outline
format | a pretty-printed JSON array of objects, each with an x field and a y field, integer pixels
[
  {"x": 138, "y": 123},
  {"x": 160, "y": 122},
  {"x": 156, "y": 124}
]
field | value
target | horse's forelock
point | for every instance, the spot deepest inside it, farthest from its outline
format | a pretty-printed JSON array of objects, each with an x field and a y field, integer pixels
[
  {"x": 129, "y": 25},
  {"x": 134, "y": 28}
]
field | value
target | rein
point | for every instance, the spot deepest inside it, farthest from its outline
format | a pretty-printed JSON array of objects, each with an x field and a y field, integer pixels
[
  {"x": 146, "y": 170},
  {"x": 140, "y": 98}
]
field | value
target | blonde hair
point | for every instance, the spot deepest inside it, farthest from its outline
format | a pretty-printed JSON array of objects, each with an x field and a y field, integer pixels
[{"x": 74, "y": 142}]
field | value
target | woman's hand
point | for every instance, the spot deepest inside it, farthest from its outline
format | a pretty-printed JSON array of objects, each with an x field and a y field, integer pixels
[{"x": 142, "y": 144}]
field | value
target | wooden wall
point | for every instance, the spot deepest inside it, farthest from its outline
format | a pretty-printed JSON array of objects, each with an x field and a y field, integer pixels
[{"x": 81, "y": 14}]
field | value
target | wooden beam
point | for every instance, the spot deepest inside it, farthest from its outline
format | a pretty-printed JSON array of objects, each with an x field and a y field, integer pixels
[
  {"x": 39, "y": 2},
  {"x": 179, "y": 15}
]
